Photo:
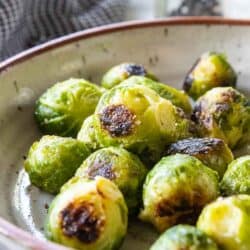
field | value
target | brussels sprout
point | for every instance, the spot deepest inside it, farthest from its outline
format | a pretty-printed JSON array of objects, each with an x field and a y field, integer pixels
[
  {"x": 213, "y": 152},
  {"x": 53, "y": 160},
  {"x": 87, "y": 133},
  {"x": 88, "y": 215},
  {"x": 62, "y": 109},
  {"x": 227, "y": 222},
  {"x": 138, "y": 119},
  {"x": 121, "y": 72},
  {"x": 211, "y": 70},
  {"x": 223, "y": 113},
  {"x": 237, "y": 177},
  {"x": 122, "y": 167},
  {"x": 176, "y": 190},
  {"x": 177, "y": 97},
  {"x": 184, "y": 237}
]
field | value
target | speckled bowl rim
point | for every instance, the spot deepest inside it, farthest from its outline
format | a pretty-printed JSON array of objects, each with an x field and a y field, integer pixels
[{"x": 19, "y": 235}]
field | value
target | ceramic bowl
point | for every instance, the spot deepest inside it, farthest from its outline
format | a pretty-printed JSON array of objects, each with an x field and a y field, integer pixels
[{"x": 167, "y": 47}]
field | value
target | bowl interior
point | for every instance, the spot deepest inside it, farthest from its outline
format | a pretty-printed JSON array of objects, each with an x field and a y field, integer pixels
[{"x": 167, "y": 50}]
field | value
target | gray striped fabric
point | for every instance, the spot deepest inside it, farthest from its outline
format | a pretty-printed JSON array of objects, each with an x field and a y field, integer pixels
[{"x": 26, "y": 23}]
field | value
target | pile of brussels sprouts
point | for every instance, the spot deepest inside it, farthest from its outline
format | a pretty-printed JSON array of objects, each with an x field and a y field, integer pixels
[{"x": 136, "y": 147}]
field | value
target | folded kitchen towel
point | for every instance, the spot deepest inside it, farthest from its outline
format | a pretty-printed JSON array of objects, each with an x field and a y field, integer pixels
[{"x": 26, "y": 23}]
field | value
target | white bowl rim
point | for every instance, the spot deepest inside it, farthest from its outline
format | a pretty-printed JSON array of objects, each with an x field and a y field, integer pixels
[{"x": 111, "y": 28}]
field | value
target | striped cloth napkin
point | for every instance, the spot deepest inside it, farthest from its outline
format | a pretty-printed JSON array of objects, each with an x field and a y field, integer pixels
[{"x": 26, "y": 23}]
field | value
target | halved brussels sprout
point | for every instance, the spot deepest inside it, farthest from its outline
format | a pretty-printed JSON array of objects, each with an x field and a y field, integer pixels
[
  {"x": 177, "y": 97},
  {"x": 121, "y": 72},
  {"x": 223, "y": 113},
  {"x": 227, "y": 222},
  {"x": 120, "y": 166},
  {"x": 138, "y": 119},
  {"x": 211, "y": 70},
  {"x": 88, "y": 215},
  {"x": 176, "y": 190},
  {"x": 237, "y": 177},
  {"x": 213, "y": 152},
  {"x": 62, "y": 109},
  {"x": 53, "y": 160},
  {"x": 87, "y": 133},
  {"x": 184, "y": 237}
]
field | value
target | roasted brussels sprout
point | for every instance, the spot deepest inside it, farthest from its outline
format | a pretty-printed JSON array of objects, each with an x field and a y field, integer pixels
[
  {"x": 122, "y": 167},
  {"x": 137, "y": 118},
  {"x": 87, "y": 133},
  {"x": 53, "y": 160},
  {"x": 89, "y": 214},
  {"x": 237, "y": 177},
  {"x": 213, "y": 152},
  {"x": 211, "y": 70},
  {"x": 177, "y": 97},
  {"x": 62, "y": 109},
  {"x": 121, "y": 72},
  {"x": 227, "y": 222},
  {"x": 223, "y": 113},
  {"x": 176, "y": 190},
  {"x": 184, "y": 237}
]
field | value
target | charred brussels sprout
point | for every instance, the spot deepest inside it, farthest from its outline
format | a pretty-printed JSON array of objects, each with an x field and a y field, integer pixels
[
  {"x": 211, "y": 70},
  {"x": 223, "y": 113},
  {"x": 184, "y": 237},
  {"x": 89, "y": 214},
  {"x": 137, "y": 118},
  {"x": 177, "y": 97},
  {"x": 87, "y": 133},
  {"x": 227, "y": 222},
  {"x": 63, "y": 107},
  {"x": 237, "y": 177},
  {"x": 53, "y": 160},
  {"x": 122, "y": 167},
  {"x": 176, "y": 190},
  {"x": 213, "y": 152},
  {"x": 121, "y": 72}
]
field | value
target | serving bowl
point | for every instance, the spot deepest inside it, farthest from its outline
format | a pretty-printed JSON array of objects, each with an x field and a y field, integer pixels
[{"x": 167, "y": 47}]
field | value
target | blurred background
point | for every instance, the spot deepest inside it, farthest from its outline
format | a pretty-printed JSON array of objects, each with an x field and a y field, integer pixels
[
  {"x": 26, "y": 23},
  {"x": 149, "y": 9}
]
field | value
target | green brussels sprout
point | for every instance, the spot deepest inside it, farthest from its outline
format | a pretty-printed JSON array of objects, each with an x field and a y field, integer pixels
[
  {"x": 211, "y": 70},
  {"x": 237, "y": 177},
  {"x": 184, "y": 237},
  {"x": 62, "y": 109},
  {"x": 138, "y": 119},
  {"x": 53, "y": 160},
  {"x": 88, "y": 215},
  {"x": 87, "y": 133},
  {"x": 212, "y": 152},
  {"x": 177, "y": 97},
  {"x": 227, "y": 222},
  {"x": 121, "y": 72},
  {"x": 120, "y": 166},
  {"x": 176, "y": 190},
  {"x": 223, "y": 113}
]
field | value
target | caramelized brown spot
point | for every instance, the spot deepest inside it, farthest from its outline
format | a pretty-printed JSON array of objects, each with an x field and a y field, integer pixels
[
  {"x": 135, "y": 69},
  {"x": 201, "y": 117},
  {"x": 81, "y": 222},
  {"x": 118, "y": 120},
  {"x": 222, "y": 107},
  {"x": 187, "y": 84},
  {"x": 185, "y": 209},
  {"x": 195, "y": 146},
  {"x": 100, "y": 167},
  {"x": 197, "y": 112}
]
